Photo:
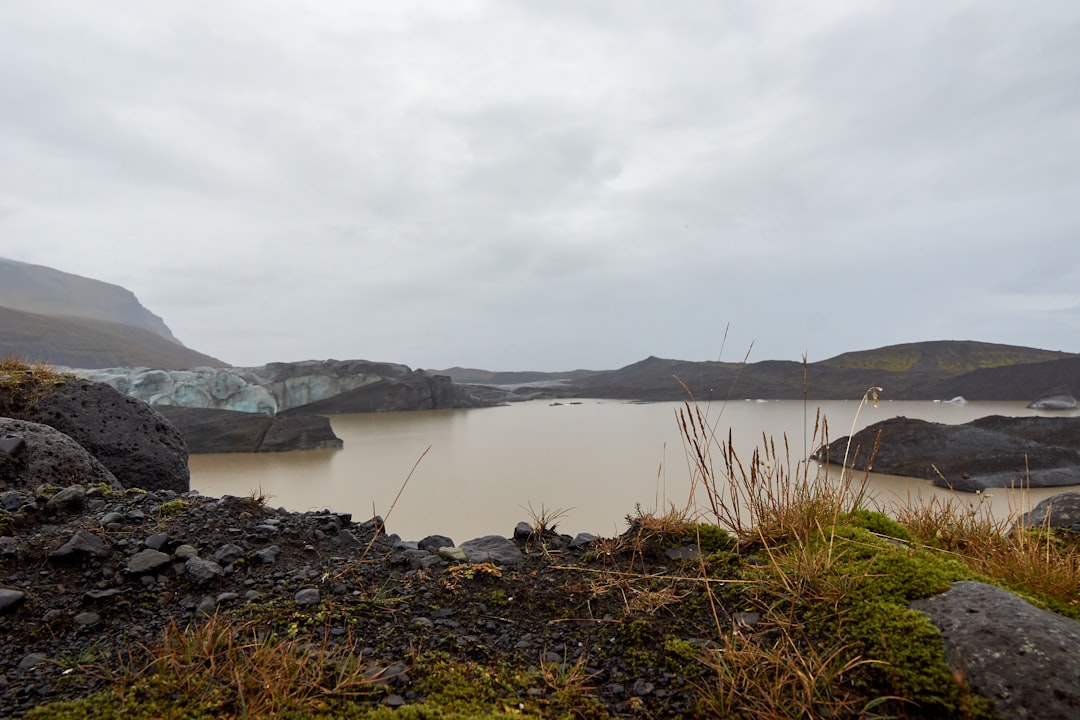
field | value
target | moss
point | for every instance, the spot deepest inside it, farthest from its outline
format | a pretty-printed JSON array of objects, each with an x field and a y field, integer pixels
[
  {"x": 637, "y": 631},
  {"x": 873, "y": 613},
  {"x": 713, "y": 538},
  {"x": 467, "y": 687},
  {"x": 877, "y": 523},
  {"x": 172, "y": 507}
]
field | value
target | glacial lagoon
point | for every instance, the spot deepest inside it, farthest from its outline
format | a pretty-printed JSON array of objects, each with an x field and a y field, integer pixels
[{"x": 480, "y": 471}]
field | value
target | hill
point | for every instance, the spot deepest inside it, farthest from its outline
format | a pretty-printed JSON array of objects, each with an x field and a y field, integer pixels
[
  {"x": 46, "y": 291},
  {"x": 63, "y": 319},
  {"x": 913, "y": 371},
  {"x": 87, "y": 343}
]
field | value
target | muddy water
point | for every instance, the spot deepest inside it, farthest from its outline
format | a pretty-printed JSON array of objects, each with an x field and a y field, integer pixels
[{"x": 481, "y": 471}]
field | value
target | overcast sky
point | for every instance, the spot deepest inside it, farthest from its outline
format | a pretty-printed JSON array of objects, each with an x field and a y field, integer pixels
[{"x": 553, "y": 184}]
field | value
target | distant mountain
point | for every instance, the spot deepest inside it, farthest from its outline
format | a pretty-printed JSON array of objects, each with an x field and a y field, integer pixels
[
  {"x": 474, "y": 376},
  {"x": 45, "y": 291},
  {"x": 63, "y": 319},
  {"x": 85, "y": 343},
  {"x": 914, "y": 371}
]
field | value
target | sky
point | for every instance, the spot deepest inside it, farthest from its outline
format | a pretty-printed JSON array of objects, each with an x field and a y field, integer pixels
[{"x": 553, "y": 185}]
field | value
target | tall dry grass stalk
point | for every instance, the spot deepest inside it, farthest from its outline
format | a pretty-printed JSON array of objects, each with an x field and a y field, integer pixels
[
  {"x": 769, "y": 496},
  {"x": 1036, "y": 559}
]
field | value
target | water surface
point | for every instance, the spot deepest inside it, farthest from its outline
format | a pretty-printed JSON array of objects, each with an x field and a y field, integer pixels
[{"x": 485, "y": 468}]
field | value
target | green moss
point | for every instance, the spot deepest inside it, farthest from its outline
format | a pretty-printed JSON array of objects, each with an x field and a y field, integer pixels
[
  {"x": 713, "y": 538},
  {"x": 877, "y": 523},
  {"x": 637, "y": 631},
  {"x": 172, "y": 507},
  {"x": 880, "y": 581},
  {"x": 465, "y": 686}
]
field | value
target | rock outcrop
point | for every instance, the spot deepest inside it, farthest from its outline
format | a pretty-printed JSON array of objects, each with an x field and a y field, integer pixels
[
  {"x": 990, "y": 452},
  {"x": 1060, "y": 511},
  {"x": 1024, "y": 659},
  {"x": 224, "y": 431},
  {"x": 32, "y": 454},
  {"x": 138, "y": 446},
  {"x": 330, "y": 386},
  {"x": 1060, "y": 398}
]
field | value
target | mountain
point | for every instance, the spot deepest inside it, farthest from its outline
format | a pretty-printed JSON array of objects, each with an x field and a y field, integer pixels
[
  {"x": 85, "y": 343},
  {"x": 913, "y": 371},
  {"x": 63, "y": 319},
  {"x": 474, "y": 376},
  {"x": 45, "y": 291}
]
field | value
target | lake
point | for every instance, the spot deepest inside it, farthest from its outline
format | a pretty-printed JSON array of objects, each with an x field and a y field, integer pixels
[{"x": 594, "y": 460}]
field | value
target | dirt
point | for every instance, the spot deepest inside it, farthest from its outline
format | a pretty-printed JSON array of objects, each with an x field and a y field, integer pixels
[{"x": 88, "y": 613}]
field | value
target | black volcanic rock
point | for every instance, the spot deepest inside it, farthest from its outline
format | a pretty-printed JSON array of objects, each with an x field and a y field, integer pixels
[
  {"x": 138, "y": 446},
  {"x": 209, "y": 430},
  {"x": 993, "y": 451},
  {"x": 46, "y": 456},
  {"x": 414, "y": 390}
]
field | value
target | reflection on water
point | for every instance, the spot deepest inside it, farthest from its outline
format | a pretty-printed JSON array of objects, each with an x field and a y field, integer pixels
[{"x": 599, "y": 459}]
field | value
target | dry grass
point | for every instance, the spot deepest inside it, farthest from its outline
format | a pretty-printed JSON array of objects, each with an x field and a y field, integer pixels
[
  {"x": 1036, "y": 559},
  {"x": 769, "y": 498},
  {"x": 240, "y": 671},
  {"x": 782, "y": 676},
  {"x": 23, "y": 383}
]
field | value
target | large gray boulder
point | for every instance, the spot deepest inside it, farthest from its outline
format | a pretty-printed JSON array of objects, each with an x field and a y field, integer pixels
[
  {"x": 1024, "y": 659},
  {"x": 1060, "y": 511},
  {"x": 990, "y": 452},
  {"x": 138, "y": 446},
  {"x": 34, "y": 454}
]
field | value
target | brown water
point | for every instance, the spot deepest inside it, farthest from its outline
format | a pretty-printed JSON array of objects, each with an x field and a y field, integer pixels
[{"x": 596, "y": 460}]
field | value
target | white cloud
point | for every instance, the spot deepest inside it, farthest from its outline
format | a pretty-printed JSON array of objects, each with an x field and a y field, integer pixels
[{"x": 551, "y": 185}]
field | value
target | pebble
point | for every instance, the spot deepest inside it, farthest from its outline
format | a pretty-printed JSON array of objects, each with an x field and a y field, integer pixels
[
  {"x": 156, "y": 541},
  {"x": 147, "y": 560},
  {"x": 185, "y": 551},
  {"x": 32, "y": 659},
  {"x": 308, "y": 596},
  {"x": 87, "y": 618},
  {"x": 202, "y": 571},
  {"x": 10, "y": 599},
  {"x": 227, "y": 553},
  {"x": 268, "y": 554}
]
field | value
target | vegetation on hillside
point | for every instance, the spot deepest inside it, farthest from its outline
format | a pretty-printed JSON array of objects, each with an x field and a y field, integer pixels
[
  {"x": 87, "y": 343},
  {"x": 952, "y": 358}
]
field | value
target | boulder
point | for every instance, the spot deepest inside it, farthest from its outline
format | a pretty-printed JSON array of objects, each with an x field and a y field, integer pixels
[
  {"x": 1022, "y": 658},
  {"x": 138, "y": 446},
  {"x": 47, "y": 456},
  {"x": 494, "y": 549},
  {"x": 1059, "y": 399},
  {"x": 989, "y": 452},
  {"x": 225, "y": 431},
  {"x": 1060, "y": 511}
]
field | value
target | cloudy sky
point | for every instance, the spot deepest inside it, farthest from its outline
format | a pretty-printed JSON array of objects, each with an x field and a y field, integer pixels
[{"x": 557, "y": 184}]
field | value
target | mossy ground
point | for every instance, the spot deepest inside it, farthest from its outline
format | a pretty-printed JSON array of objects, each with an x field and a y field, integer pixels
[{"x": 834, "y": 601}]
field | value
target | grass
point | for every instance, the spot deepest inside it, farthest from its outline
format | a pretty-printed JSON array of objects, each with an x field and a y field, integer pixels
[
  {"x": 22, "y": 384},
  {"x": 219, "y": 668}
]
